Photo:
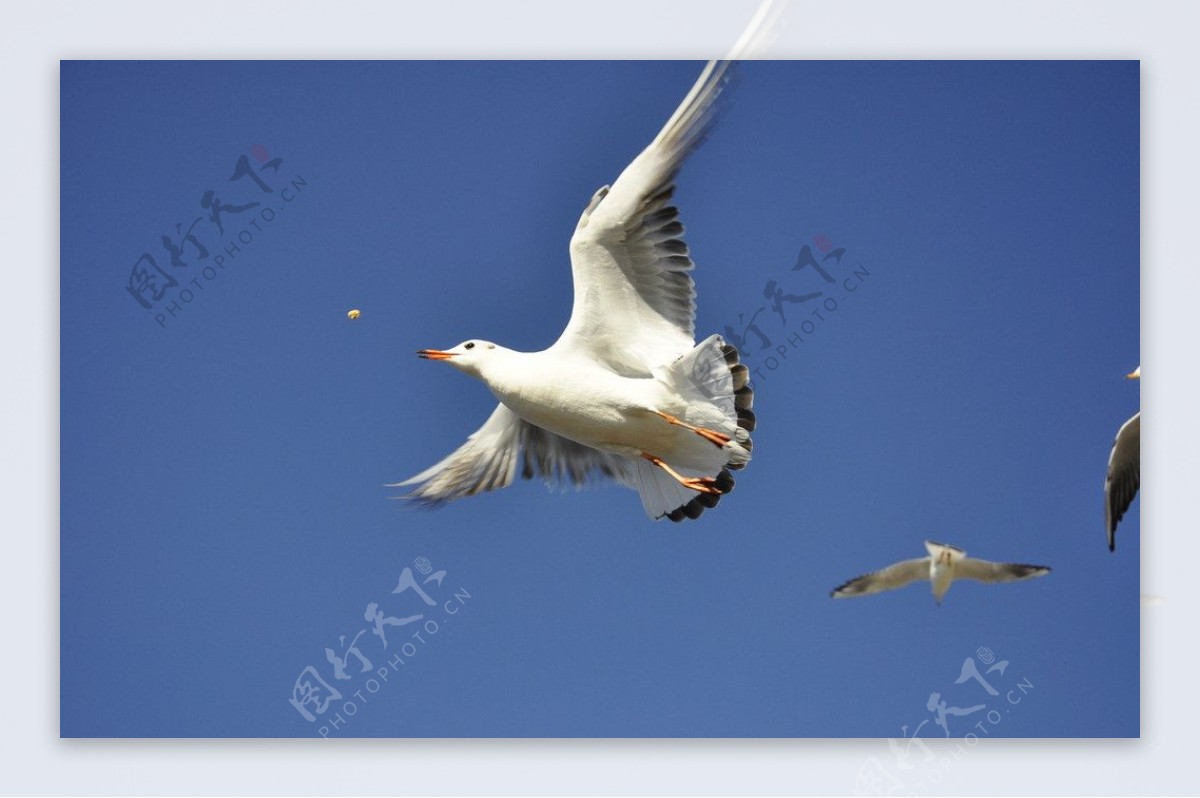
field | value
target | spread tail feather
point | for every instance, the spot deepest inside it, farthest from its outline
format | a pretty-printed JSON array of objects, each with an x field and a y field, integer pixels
[
  {"x": 710, "y": 371},
  {"x": 663, "y": 497}
]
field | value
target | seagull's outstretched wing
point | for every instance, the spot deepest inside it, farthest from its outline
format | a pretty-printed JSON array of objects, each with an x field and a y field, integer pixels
[
  {"x": 984, "y": 571},
  {"x": 890, "y": 578},
  {"x": 635, "y": 303},
  {"x": 503, "y": 447},
  {"x": 1124, "y": 475}
]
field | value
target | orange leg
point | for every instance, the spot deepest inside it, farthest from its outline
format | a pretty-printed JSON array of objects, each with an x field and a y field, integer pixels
[
  {"x": 700, "y": 484},
  {"x": 713, "y": 437}
]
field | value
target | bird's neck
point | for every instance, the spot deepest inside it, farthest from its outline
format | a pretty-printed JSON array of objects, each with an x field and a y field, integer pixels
[{"x": 502, "y": 371}]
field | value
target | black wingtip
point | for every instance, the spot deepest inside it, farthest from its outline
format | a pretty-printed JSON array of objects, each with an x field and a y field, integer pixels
[{"x": 850, "y": 587}]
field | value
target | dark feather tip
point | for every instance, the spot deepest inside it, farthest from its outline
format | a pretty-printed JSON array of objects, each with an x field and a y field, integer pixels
[{"x": 741, "y": 376}]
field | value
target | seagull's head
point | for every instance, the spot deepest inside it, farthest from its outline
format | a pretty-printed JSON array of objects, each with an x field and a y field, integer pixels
[
  {"x": 470, "y": 356},
  {"x": 1136, "y": 374}
]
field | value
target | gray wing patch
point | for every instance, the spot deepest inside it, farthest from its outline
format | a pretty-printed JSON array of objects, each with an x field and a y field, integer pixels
[
  {"x": 984, "y": 571},
  {"x": 890, "y": 578}
]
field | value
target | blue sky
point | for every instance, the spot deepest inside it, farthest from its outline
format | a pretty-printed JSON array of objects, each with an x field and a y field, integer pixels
[{"x": 224, "y": 518}]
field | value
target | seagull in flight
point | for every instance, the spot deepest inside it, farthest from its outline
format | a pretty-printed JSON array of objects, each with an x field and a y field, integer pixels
[
  {"x": 1124, "y": 474},
  {"x": 943, "y": 565},
  {"x": 625, "y": 393}
]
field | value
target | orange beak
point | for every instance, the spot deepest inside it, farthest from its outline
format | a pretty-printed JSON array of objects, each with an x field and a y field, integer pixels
[{"x": 434, "y": 354}]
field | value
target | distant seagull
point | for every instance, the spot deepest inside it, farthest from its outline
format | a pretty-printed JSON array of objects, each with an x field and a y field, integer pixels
[
  {"x": 625, "y": 392},
  {"x": 1124, "y": 470},
  {"x": 943, "y": 565}
]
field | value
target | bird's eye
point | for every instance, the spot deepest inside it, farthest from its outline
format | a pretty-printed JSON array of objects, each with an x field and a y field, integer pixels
[{"x": 470, "y": 345}]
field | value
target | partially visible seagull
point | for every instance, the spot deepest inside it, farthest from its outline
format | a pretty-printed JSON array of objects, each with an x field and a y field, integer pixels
[
  {"x": 625, "y": 392},
  {"x": 943, "y": 565},
  {"x": 1124, "y": 470}
]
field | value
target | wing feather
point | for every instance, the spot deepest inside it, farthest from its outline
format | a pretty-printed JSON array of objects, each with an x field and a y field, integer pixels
[
  {"x": 490, "y": 458},
  {"x": 635, "y": 302},
  {"x": 890, "y": 578},
  {"x": 985, "y": 571},
  {"x": 1124, "y": 475}
]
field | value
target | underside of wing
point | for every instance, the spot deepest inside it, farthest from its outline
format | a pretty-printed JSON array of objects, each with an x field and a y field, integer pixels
[
  {"x": 984, "y": 571},
  {"x": 1124, "y": 475},
  {"x": 507, "y": 446},
  {"x": 890, "y": 578},
  {"x": 561, "y": 461},
  {"x": 634, "y": 296}
]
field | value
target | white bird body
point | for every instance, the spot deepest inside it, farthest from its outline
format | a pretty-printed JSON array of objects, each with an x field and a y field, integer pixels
[
  {"x": 942, "y": 567},
  {"x": 604, "y": 410}
]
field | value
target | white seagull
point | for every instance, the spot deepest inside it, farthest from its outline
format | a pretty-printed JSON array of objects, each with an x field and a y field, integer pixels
[
  {"x": 943, "y": 565},
  {"x": 1124, "y": 474},
  {"x": 625, "y": 392}
]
